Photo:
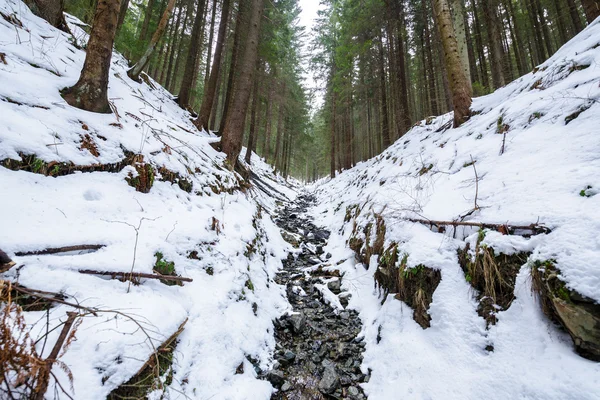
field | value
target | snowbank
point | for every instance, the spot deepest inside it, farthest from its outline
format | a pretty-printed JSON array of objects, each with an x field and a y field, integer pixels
[
  {"x": 195, "y": 214},
  {"x": 535, "y": 146}
]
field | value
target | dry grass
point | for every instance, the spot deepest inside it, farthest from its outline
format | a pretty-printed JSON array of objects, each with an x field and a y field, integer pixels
[{"x": 21, "y": 367}]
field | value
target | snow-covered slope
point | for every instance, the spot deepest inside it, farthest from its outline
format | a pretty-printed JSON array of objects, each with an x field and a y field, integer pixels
[
  {"x": 535, "y": 145},
  {"x": 63, "y": 180}
]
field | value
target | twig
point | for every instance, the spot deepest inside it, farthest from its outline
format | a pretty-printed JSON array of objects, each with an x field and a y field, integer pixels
[
  {"x": 476, "y": 183},
  {"x": 130, "y": 275},
  {"x": 55, "y": 250},
  {"x": 45, "y": 378}
]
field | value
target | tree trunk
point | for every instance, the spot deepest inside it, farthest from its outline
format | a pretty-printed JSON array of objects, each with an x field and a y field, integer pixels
[
  {"x": 461, "y": 94},
  {"x": 147, "y": 18},
  {"x": 333, "y": 133},
  {"x": 185, "y": 93},
  {"x": 458, "y": 22},
  {"x": 268, "y": 117},
  {"x": 174, "y": 45},
  {"x": 591, "y": 9},
  {"x": 122, "y": 13},
  {"x": 385, "y": 129},
  {"x": 575, "y": 18},
  {"x": 231, "y": 141},
  {"x": 255, "y": 106},
  {"x": 490, "y": 10},
  {"x": 136, "y": 70},
  {"x": 430, "y": 72},
  {"x": 280, "y": 123},
  {"x": 210, "y": 42},
  {"x": 480, "y": 51},
  {"x": 210, "y": 89},
  {"x": 90, "y": 91},
  {"x": 235, "y": 49},
  {"x": 401, "y": 72},
  {"x": 51, "y": 11}
]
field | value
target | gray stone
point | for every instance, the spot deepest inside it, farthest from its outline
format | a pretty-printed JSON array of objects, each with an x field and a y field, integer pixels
[
  {"x": 298, "y": 322},
  {"x": 353, "y": 391},
  {"x": 289, "y": 355},
  {"x": 276, "y": 377},
  {"x": 286, "y": 386},
  {"x": 335, "y": 286},
  {"x": 330, "y": 381}
]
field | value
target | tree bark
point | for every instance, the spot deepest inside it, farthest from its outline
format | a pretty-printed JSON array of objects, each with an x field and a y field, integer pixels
[
  {"x": 458, "y": 22},
  {"x": 136, "y": 70},
  {"x": 461, "y": 94},
  {"x": 385, "y": 128},
  {"x": 175, "y": 42},
  {"x": 490, "y": 10},
  {"x": 232, "y": 64},
  {"x": 255, "y": 106},
  {"x": 591, "y": 9},
  {"x": 90, "y": 91},
  {"x": 209, "y": 91},
  {"x": 185, "y": 93},
  {"x": 147, "y": 18},
  {"x": 51, "y": 11},
  {"x": 211, "y": 37},
  {"x": 575, "y": 18},
  {"x": 231, "y": 141}
]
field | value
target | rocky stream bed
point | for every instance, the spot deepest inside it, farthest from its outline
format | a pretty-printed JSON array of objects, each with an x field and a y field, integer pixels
[{"x": 318, "y": 351}]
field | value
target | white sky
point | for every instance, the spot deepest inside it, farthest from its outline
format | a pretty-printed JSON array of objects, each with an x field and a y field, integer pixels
[{"x": 307, "y": 18}]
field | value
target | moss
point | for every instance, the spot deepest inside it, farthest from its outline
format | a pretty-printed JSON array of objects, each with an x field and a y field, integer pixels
[
  {"x": 249, "y": 284},
  {"x": 425, "y": 169},
  {"x": 165, "y": 267}
]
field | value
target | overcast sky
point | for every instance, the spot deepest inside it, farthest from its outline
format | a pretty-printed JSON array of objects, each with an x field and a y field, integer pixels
[{"x": 307, "y": 18}]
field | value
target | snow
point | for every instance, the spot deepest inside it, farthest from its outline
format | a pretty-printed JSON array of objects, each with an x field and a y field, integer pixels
[
  {"x": 232, "y": 301},
  {"x": 427, "y": 174}
]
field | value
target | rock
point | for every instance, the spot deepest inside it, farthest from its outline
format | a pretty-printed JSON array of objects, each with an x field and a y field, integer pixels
[
  {"x": 330, "y": 381},
  {"x": 353, "y": 392},
  {"x": 298, "y": 322},
  {"x": 335, "y": 286},
  {"x": 328, "y": 256},
  {"x": 289, "y": 355},
  {"x": 276, "y": 377},
  {"x": 582, "y": 321},
  {"x": 286, "y": 386}
]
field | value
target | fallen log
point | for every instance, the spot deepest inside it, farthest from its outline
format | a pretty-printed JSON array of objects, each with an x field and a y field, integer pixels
[
  {"x": 135, "y": 275},
  {"x": 505, "y": 229},
  {"x": 55, "y": 250}
]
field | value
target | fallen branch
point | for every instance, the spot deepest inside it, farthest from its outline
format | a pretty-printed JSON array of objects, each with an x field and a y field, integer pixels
[
  {"x": 50, "y": 296},
  {"x": 502, "y": 228},
  {"x": 45, "y": 378},
  {"x": 55, "y": 250},
  {"x": 135, "y": 275}
]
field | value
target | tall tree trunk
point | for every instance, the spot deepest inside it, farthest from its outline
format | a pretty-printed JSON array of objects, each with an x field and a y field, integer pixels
[
  {"x": 575, "y": 18},
  {"x": 490, "y": 10},
  {"x": 480, "y": 51},
  {"x": 210, "y": 89},
  {"x": 255, "y": 106},
  {"x": 430, "y": 72},
  {"x": 280, "y": 122},
  {"x": 181, "y": 50},
  {"x": 210, "y": 42},
  {"x": 332, "y": 129},
  {"x": 185, "y": 93},
  {"x": 231, "y": 142},
  {"x": 401, "y": 72},
  {"x": 232, "y": 63},
  {"x": 147, "y": 18},
  {"x": 268, "y": 121},
  {"x": 385, "y": 129},
  {"x": 136, "y": 70},
  {"x": 51, "y": 11},
  {"x": 90, "y": 91},
  {"x": 591, "y": 9},
  {"x": 174, "y": 46},
  {"x": 122, "y": 13},
  {"x": 461, "y": 93},
  {"x": 458, "y": 22}
]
